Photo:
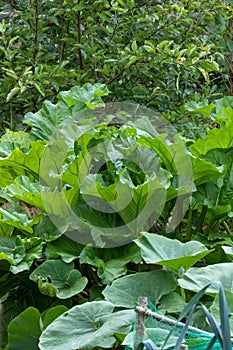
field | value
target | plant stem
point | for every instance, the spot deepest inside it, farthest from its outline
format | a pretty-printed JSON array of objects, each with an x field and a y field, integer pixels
[
  {"x": 182, "y": 293},
  {"x": 201, "y": 218},
  {"x": 210, "y": 227},
  {"x": 227, "y": 228}
]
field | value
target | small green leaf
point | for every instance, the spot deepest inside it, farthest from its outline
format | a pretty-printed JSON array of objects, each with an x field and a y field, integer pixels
[
  {"x": 12, "y": 93},
  {"x": 56, "y": 278},
  {"x": 51, "y": 314}
]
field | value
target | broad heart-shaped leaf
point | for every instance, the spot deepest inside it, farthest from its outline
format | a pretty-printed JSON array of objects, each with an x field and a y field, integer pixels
[
  {"x": 110, "y": 262},
  {"x": 10, "y": 140},
  {"x": 215, "y": 310},
  {"x": 125, "y": 291},
  {"x": 226, "y": 101},
  {"x": 87, "y": 326},
  {"x": 25, "y": 190},
  {"x": 56, "y": 278},
  {"x": 196, "y": 278},
  {"x": 33, "y": 253},
  {"x": 64, "y": 247},
  {"x": 19, "y": 163},
  {"x": 173, "y": 254},
  {"x": 24, "y": 331}
]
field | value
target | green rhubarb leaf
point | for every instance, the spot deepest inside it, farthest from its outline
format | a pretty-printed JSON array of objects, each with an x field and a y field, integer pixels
[
  {"x": 47, "y": 121},
  {"x": 25, "y": 190},
  {"x": 19, "y": 220},
  {"x": 10, "y": 140},
  {"x": 19, "y": 163}
]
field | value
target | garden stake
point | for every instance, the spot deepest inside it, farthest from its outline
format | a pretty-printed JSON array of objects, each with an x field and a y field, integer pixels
[{"x": 142, "y": 301}]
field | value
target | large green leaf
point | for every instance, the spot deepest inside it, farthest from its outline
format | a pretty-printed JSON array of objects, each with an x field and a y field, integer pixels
[
  {"x": 204, "y": 171},
  {"x": 110, "y": 262},
  {"x": 175, "y": 159},
  {"x": 24, "y": 331},
  {"x": 25, "y": 190},
  {"x": 19, "y": 163},
  {"x": 33, "y": 253},
  {"x": 86, "y": 326},
  {"x": 56, "y": 278},
  {"x": 46, "y": 230},
  {"x": 156, "y": 249},
  {"x": 196, "y": 278},
  {"x": 172, "y": 154},
  {"x": 125, "y": 291},
  {"x": 202, "y": 107},
  {"x": 172, "y": 303},
  {"x": 224, "y": 157},
  {"x": 64, "y": 247},
  {"x": 88, "y": 95},
  {"x": 47, "y": 121},
  {"x": 136, "y": 214}
]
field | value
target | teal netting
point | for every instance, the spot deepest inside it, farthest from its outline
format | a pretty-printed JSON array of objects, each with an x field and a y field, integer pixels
[{"x": 156, "y": 327}]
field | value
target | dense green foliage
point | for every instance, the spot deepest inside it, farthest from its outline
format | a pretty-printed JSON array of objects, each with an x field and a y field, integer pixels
[
  {"x": 42, "y": 180},
  {"x": 158, "y": 53},
  {"x": 81, "y": 238}
]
